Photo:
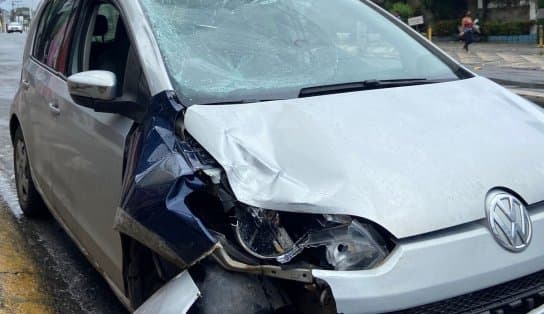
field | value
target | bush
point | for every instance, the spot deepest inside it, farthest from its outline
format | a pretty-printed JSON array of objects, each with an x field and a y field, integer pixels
[
  {"x": 446, "y": 28},
  {"x": 507, "y": 28},
  {"x": 404, "y": 10},
  {"x": 541, "y": 4}
]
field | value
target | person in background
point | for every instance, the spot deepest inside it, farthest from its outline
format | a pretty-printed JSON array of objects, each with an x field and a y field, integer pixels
[
  {"x": 467, "y": 30},
  {"x": 397, "y": 15}
]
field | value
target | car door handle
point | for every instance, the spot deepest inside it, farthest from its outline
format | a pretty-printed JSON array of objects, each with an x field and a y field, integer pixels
[
  {"x": 54, "y": 108},
  {"x": 26, "y": 84}
]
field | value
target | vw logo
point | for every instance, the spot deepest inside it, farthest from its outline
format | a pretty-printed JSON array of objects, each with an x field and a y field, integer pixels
[{"x": 509, "y": 221}]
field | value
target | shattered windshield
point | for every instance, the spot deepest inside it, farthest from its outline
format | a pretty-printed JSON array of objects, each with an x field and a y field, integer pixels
[{"x": 229, "y": 50}]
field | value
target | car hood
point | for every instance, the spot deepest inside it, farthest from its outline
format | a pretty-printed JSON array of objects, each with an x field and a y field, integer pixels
[{"x": 412, "y": 159}]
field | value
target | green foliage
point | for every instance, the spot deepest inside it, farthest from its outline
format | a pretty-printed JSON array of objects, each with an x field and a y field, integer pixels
[
  {"x": 404, "y": 10},
  {"x": 446, "y": 27},
  {"x": 541, "y": 4},
  {"x": 507, "y": 28},
  {"x": 446, "y": 9}
]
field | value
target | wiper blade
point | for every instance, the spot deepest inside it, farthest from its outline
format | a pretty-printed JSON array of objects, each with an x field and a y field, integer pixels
[
  {"x": 237, "y": 102},
  {"x": 364, "y": 85}
]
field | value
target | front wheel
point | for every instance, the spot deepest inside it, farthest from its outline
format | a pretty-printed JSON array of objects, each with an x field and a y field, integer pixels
[
  {"x": 140, "y": 273},
  {"x": 29, "y": 199}
]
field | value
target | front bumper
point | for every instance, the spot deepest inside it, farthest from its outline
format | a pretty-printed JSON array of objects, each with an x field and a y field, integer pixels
[{"x": 427, "y": 269}]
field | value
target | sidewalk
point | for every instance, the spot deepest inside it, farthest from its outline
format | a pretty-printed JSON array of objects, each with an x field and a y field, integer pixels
[
  {"x": 519, "y": 67},
  {"x": 21, "y": 284}
]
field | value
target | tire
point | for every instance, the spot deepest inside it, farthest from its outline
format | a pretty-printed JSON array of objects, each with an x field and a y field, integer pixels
[{"x": 30, "y": 200}]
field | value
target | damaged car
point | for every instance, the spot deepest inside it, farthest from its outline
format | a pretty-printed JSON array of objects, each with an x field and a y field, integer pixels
[{"x": 276, "y": 156}]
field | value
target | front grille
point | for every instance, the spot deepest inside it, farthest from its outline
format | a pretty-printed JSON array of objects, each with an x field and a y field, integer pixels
[{"x": 516, "y": 296}]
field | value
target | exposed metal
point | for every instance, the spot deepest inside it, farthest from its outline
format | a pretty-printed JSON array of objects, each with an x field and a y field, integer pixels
[
  {"x": 296, "y": 274},
  {"x": 509, "y": 221},
  {"x": 96, "y": 84}
]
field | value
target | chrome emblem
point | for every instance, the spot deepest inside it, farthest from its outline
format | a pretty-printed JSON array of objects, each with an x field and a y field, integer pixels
[{"x": 509, "y": 221}]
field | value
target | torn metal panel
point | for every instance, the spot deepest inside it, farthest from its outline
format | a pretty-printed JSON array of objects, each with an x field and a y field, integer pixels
[
  {"x": 159, "y": 175},
  {"x": 406, "y": 158},
  {"x": 175, "y": 297}
]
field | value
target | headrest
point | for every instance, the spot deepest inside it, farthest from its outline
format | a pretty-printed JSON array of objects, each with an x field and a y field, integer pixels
[{"x": 100, "y": 26}]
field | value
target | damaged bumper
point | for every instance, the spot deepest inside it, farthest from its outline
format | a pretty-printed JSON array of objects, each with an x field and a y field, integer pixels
[
  {"x": 177, "y": 296},
  {"x": 429, "y": 269}
]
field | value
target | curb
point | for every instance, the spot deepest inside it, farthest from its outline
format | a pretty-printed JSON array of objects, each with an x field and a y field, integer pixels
[{"x": 537, "y": 97}]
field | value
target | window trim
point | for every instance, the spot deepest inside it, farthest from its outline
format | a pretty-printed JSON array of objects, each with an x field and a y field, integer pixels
[
  {"x": 83, "y": 27},
  {"x": 47, "y": 4},
  {"x": 42, "y": 16}
]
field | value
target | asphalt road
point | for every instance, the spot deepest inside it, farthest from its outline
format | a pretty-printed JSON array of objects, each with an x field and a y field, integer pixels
[
  {"x": 66, "y": 281},
  {"x": 515, "y": 65}
]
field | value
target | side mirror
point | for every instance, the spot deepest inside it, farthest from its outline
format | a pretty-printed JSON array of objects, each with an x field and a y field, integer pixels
[
  {"x": 93, "y": 85},
  {"x": 97, "y": 90}
]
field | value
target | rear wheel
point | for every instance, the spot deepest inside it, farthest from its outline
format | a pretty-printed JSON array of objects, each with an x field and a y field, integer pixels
[{"x": 29, "y": 199}]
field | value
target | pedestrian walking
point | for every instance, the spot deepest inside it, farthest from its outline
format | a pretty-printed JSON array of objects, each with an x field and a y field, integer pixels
[{"x": 467, "y": 30}]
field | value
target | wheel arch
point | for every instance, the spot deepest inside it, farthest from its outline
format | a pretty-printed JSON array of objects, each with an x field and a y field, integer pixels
[{"x": 14, "y": 124}]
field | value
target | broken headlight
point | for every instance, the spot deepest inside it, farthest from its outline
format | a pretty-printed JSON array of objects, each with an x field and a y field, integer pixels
[{"x": 348, "y": 243}]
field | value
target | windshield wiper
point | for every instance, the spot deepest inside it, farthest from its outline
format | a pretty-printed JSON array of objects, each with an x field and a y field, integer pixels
[
  {"x": 364, "y": 85},
  {"x": 237, "y": 102}
]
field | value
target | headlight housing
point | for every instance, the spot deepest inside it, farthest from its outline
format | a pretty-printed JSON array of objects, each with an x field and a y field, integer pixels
[{"x": 272, "y": 235}]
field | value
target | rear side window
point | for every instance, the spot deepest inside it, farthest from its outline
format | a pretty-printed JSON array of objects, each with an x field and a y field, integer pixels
[
  {"x": 51, "y": 33},
  {"x": 38, "y": 40}
]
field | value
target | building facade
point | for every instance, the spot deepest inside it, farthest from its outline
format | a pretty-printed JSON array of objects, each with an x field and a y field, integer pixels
[{"x": 507, "y": 10}]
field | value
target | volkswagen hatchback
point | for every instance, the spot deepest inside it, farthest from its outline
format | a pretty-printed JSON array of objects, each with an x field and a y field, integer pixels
[{"x": 254, "y": 156}]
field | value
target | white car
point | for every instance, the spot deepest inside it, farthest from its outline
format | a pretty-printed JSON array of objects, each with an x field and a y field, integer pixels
[
  {"x": 13, "y": 27},
  {"x": 278, "y": 156}
]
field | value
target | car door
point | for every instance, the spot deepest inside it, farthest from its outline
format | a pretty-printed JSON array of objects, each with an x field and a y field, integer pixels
[
  {"x": 88, "y": 146},
  {"x": 40, "y": 82}
]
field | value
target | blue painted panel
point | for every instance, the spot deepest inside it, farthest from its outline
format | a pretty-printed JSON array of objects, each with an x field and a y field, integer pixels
[{"x": 159, "y": 176}]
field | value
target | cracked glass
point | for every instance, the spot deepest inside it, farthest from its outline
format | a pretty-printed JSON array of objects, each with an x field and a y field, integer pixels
[{"x": 231, "y": 50}]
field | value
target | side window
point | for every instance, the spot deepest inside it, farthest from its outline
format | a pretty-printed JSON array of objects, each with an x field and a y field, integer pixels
[
  {"x": 37, "y": 51},
  {"x": 109, "y": 43},
  {"x": 101, "y": 42},
  {"x": 61, "y": 63},
  {"x": 52, "y": 32}
]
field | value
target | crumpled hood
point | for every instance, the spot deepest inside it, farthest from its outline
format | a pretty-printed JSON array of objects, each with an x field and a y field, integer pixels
[{"x": 412, "y": 159}]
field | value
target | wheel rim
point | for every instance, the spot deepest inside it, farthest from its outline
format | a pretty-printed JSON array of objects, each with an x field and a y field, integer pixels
[{"x": 21, "y": 171}]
